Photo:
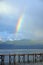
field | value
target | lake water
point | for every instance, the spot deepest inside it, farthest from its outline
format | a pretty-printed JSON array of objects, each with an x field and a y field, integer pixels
[
  {"x": 27, "y": 63},
  {"x": 21, "y": 51}
]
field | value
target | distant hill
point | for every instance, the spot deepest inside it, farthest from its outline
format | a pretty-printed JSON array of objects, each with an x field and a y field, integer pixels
[{"x": 21, "y": 44}]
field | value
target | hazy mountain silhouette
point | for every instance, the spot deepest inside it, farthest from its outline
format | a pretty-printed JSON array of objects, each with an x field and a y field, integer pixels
[{"x": 21, "y": 44}]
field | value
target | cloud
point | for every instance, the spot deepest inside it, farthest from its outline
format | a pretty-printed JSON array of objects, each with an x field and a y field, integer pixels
[
  {"x": 33, "y": 23},
  {"x": 9, "y": 15},
  {"x": 8, "y": 9},
  {"x": 0, "y": 39},
  {"x": 6, "y": 36},
  {"x": 37, "y": 34}
]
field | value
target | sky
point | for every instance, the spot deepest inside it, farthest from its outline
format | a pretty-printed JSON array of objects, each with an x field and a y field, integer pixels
[{"x": 32, "y": 26}]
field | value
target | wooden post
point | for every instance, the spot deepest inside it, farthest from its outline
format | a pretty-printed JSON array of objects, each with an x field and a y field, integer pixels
[
  {"x": 14, "y": 59},
  {"x": 28, "y": 58},
  {"x": 35, "y": 57},
  {"x": 23, "y": 58},
  {"x": 40, "y": 58},
  {"x": 9, "y": 60},
  {"x": 2, "y": 60},
  {"x": 19, "y": 58}
]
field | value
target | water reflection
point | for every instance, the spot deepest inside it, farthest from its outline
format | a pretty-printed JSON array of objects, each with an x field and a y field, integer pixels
[{"x": 39, "y": 63}]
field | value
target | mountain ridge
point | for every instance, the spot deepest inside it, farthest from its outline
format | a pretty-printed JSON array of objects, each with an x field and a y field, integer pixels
[{"x": 21, "y": 44}]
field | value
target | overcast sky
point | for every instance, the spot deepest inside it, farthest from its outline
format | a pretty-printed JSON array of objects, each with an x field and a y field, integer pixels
[{"x": 10, "y": 12}]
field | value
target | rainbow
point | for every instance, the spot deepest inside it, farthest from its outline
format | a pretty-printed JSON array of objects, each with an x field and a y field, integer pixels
[{"x": 19, "y": 23}]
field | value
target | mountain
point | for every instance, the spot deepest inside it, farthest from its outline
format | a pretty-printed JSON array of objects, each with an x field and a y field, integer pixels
[{"x": 21, "y": 44}]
